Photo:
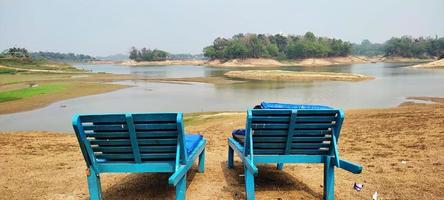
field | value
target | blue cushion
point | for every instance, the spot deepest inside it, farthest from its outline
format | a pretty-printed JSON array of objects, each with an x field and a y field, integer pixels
[
  {"x": 191, "y": 141},
  {"x": 269, "y": 105},
  {"x": 239, "y": 135}
]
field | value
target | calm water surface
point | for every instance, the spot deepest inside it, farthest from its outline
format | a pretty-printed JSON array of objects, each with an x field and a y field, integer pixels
[{"x": 393, "y": 83}]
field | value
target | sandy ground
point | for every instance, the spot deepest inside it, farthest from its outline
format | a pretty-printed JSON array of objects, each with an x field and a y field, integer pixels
[
  {"x": 401, "y": 149},
  {"x": 280, "y": 75},
  {"x": 434, "y": 64}
]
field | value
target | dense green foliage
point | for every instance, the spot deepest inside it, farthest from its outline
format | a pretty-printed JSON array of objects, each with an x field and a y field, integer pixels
[
  {"x": 15, "y": 52},
  {"x": 186, "y": 56},
  {"x": 31, "y": 91},
  {"x": 276, "y": 46},
  {"x": 145, "y": 54},
  {"x": 62, "y": 56},
  {"x": 7, "y": 71},
  {"x": 20, "y": 58},
  {"x": 366, "y": 48},
  {"x": 405, "y": 46}
]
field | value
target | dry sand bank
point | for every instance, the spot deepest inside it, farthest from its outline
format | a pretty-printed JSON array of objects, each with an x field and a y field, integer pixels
[
  {"x": 166, "y": 62},
  {"x": 401, "y": 150},
  {"x": 434, "y": 64},
  {"x": 264, "y": 62},
  {"x": 280, "y": 75}
]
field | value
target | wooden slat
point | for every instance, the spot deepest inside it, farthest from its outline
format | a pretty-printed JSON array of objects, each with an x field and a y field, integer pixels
[
  {"x": 108, "y": 128},
  {"x": 293, "y": 145},
  {"x": 128, "y": 149},
  {"x": 112, "y": 118},
  {"x": 262, "y": 126},
  {"x": 115, "y": 149},
  {"x": 284, "y": 119},
  {"x": 281, "y": 151},
  {"x": 124, "y": 142},
  {"x": 269, "y": 139},
  {"x": 317, "y": 112},
  {"x": 311, "y": 132},
  {"x": 148, "y": 149},
  {"x": 116, "y": 156},
  {"x": 304, "y": 119},
  {"x": 151, "y": 156},
  {"x": 154, "y": 117},
  {"x": 144, "y": 156},
  {"x": 259, "y": 112},
  {"x": 166, "y": 126},
  {"x": 151, "y": 134},
  {"x": 104, "y": 135},
  {"x": 304, "y": 126},
  {"x": 310, "y": 139},
  {"x": 282, "y": 132}
]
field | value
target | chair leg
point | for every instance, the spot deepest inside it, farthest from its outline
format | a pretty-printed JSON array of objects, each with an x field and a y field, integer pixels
[
  {"x": 181, "y": 188},
  {"x": 94, "y": 186},
  {"x": 201, "y": 168},
  {"x": 230, "y": 157},
  {"x": 329, "y": 180},
  {"x": 280, "y": 166},
  {"x": 249, "y": 184}
]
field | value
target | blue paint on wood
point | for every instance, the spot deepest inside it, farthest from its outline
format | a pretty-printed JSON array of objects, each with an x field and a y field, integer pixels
[
  {"x": 136, "y": 143},
  {"x": 291, "y": 136}
]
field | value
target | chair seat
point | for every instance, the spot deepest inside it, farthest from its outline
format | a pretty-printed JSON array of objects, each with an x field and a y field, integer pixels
[{"x": 191, "y": 141}]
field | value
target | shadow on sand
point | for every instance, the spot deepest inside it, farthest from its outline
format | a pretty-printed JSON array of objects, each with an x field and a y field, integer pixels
[
  {"x": 268, "y": 179},
  {"x": 145, "y": 186}
]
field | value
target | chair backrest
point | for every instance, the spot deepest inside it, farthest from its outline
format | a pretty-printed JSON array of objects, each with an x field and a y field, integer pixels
[
  {"x": 302, "y": 132},
  {"x": 134, "y": 138}
]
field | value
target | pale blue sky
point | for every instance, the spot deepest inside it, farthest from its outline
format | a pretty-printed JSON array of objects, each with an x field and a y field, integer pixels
[{"x": 103, "y": 27}]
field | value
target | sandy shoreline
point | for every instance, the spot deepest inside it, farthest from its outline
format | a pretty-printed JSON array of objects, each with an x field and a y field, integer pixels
[
  {"x": 400, "y": 148},
  {"x": 280, "y": 75},
  {"x": 434, "y": 64},
  {"x": 268, "y": 62}
]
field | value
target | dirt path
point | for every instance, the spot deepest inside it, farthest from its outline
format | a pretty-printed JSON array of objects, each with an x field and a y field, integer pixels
[{"x": 401, "y": 150}]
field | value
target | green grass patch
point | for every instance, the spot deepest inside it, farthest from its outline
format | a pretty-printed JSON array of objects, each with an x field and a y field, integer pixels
[
  {"x": 7, "y": 71},
  {"x": 32, "y": 91}
]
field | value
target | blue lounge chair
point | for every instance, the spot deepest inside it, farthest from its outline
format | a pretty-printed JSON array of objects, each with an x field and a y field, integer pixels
[
  {"x": 137, "y": 143},
  {"x": 291, "y": 136}
]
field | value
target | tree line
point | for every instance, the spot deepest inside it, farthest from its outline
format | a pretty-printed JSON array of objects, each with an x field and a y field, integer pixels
[
  {"x": 405, "y": 46},
  {"x": 17, "y": 52},
  {"x": 62, "y": 56},
  {"x": 145, "y": 54},
  {"x": 276, "y": 46}
]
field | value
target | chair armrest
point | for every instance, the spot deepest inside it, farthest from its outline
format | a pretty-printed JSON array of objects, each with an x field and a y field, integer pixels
[
  {"x": 250, "y": 166},
  {"x": 350, "y": 166},
  {"x": 177, "y": 175}
]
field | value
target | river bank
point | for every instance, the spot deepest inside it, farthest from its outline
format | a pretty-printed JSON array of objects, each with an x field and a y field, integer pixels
[
  {"x": 281, "y": 75},
  {"x": 434, "y": 64},
  {"x": 315, "y": 62},
  {"x": 268, "y": 62},
  {"x": 400, "y": 149}
]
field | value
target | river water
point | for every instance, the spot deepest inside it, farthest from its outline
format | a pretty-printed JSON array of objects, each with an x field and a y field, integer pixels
[{"x": 392, "y": 84}]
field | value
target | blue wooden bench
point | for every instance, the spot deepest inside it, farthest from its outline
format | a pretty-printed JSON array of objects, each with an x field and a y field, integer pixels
[
  {"x": 291, "y": 136},
  {"x": 137, "y": 143}
]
